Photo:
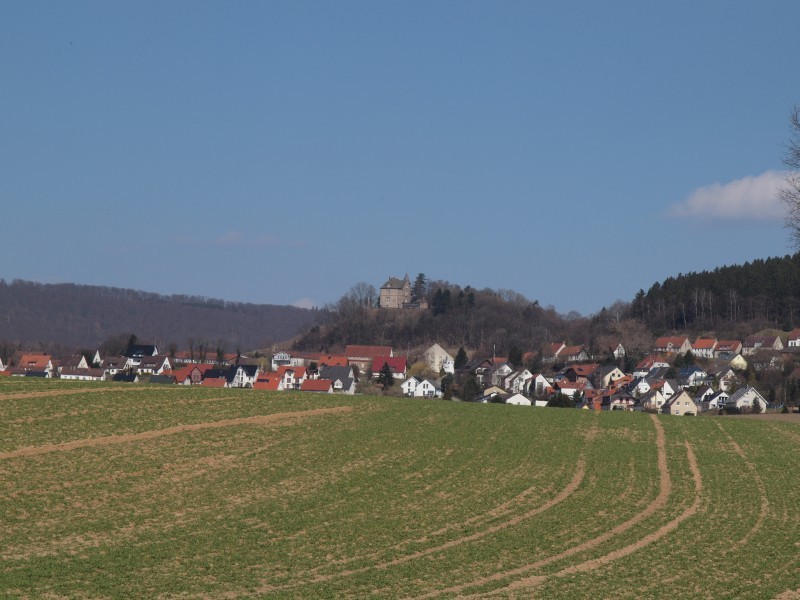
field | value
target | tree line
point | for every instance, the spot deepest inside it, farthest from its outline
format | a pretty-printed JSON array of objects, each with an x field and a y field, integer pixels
[{"x": 757, "y": 294}]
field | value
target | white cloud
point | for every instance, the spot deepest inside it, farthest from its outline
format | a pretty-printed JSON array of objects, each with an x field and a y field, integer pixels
[
  {"x": 231, "y": 238},
  {"x": 304, "y": 303},
  {"x": 751, "y": 197}
]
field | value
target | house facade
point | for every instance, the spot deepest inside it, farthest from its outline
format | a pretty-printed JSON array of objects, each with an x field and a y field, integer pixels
[{"x": 438, "y": 359}]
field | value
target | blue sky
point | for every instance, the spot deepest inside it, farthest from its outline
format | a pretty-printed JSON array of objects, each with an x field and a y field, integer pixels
[{"x": 281, "y": 152}]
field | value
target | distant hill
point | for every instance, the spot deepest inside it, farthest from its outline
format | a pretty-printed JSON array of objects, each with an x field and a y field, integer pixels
[{"x": 84, "y": 316}]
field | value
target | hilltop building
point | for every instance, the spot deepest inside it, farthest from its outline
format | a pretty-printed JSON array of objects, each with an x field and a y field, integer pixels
[{"x": 395, "y": 293}]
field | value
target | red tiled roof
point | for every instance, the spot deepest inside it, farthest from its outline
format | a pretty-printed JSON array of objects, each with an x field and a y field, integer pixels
[
  {"x": 355, "y": 351},
  {"x": 585, "y": 370},
  {"x": 333, "y": 361},
  {"x": 396, "y": 363},
  {"x": 298, "y": 371},
  {"x": 316, "y": 385},
  {"x": 704, "y": 344},
  {"x": 35, "y": 361},
  {"x": 676, "y": 341},
  {"x": 214, "y": 382},
  {"x": 267, "y": 383},
  {"x": 727, "y": 345},
  {"x": 570, "y": 351}
]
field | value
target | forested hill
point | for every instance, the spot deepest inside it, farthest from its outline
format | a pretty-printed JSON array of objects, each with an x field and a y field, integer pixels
[
  {"x": 84, "y": 316},
  {"x": 761, "y": 293}
]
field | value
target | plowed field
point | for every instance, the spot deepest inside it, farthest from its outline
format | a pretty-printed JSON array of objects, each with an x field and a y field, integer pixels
[{"x": 123, "y": 492}]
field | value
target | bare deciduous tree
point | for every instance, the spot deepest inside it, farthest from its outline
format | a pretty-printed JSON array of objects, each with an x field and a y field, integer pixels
[{"x": 790, "y": 195}]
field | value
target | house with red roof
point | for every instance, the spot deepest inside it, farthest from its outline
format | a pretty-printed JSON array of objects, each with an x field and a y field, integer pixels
[
  {"x": 580, "y": 372},
  {"x": 363, "y": 356},
  {"x": 396, "y": 363},
  {"x": 704, "y": 347},
  {"x": 672, "y": 345},
  {"x": 793, "y": 339},
  {"x": 331, "y": 360},
  {"x": 727, "y": 348},
  {"x": 320, "y": 386},
  {"x": 292, "y": 378},
  {"x": 753, "y": 343},
  {"x": 569, "y": 354},
  {"x": 37, "y": 362},
  {"x": 269, "y": 382},
  {"x": 215, "y": 382}
]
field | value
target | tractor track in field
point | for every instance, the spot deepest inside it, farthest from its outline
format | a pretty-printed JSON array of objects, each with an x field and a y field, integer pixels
[
  {"x": 762, "y": 490},
  {"x": 65, "y": 392},
  {"x": 110, "y": 440},
  {"x": 659, "y": 503},
  {"x": 571, "y": 487},
  {"x": 496, "y": 512}
]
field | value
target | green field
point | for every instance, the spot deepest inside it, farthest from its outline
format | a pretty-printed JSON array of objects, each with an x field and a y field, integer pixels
[{"x": 140, "y": 492}]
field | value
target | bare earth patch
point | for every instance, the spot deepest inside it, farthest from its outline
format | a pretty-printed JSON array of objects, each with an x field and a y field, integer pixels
[{"x": 110, "y": 440}]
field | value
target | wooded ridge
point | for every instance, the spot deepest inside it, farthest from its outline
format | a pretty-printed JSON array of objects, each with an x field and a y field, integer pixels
[{"x": 75, "y": 316}]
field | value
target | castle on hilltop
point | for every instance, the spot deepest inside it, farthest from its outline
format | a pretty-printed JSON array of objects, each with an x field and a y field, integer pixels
[{"x": 396, "y": 293}]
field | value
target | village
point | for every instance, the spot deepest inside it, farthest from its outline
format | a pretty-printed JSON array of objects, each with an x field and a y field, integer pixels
[{"x": 679, "y": 377}]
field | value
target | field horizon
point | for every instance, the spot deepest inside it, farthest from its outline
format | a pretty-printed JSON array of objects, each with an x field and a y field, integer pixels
[{"x": 114, "y": 491}]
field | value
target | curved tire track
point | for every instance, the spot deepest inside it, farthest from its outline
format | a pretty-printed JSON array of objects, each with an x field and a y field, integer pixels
[
  {"x": 572, "y": 486},
  {"x": 665, "y": 489},
  {"x": 110, "y": 440},
  {"x": 762, "y": 490}
]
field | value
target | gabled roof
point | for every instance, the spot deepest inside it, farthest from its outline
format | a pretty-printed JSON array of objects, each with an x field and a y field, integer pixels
[
  {"x": 229, "y": 374},
  {"x": 570, "y": 351},
  {"x": 794, "y": 334},
  {"x": 366, "y": 352},
  {"x": 396, "y": 363},
  {"x": 34, "y": 361},
  {"x": 316, "y": 385},
  {"x": 396, "y": 284},
  {"x": 267, "y": 382},
  {"x": 332, "y": 360},
  {"x": 648, "y": 361},
  {"x": 728, "y": 345},
  {"x": 215, "y": 382},
  {"x": 583, "y": 370},
  {"x": 140, "y": 350},
  {"x": 297, "y": 372},
  {"x": 335, "y": 372},
  {"x": 671, "y": 341},
  {"x": 704, "y": 344}
]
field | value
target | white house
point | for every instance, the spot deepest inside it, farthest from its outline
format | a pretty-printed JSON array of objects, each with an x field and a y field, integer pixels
[
  {"x": 652, "y": 401},
  {"x": 537, "y": 385},
  {"x": 704, "y": 347},
  {"x": 439, "y": 360},
  {"x": 744, "y": 398},
  {"x": 716, "y": 401},
  {"x": 500, "y": 372},
  {"x": 516, "y": 381},
  {"x": 418, "y": 388},
  {"x": 518, "y": 400}
]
